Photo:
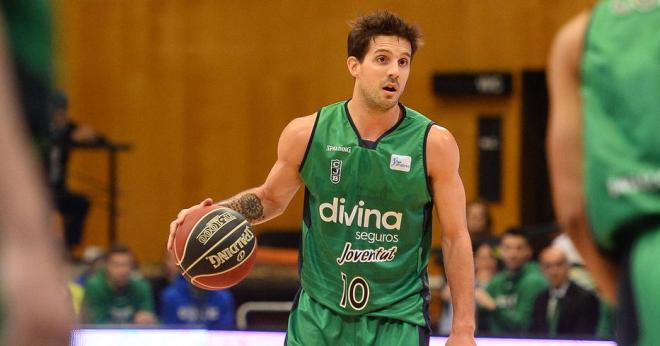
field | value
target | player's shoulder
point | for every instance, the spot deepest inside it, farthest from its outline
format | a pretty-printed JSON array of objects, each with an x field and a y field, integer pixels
[
  {"x": 569, "y": 40},
  {"x": 440, "y": 140},
  {"x": 299, "y": 129}
]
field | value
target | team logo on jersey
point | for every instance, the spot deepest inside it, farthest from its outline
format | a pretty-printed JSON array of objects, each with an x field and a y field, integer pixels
[
  {"x": 335, "y": 171},
  {"x": 400, "y": 163},
  {"x": 380, "y": 254}
]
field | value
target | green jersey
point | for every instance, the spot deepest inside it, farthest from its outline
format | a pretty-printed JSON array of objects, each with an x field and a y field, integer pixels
[
  {"x": 367, "y": 217},
  {"x": 105, "y": 304},
  {"x": 621, "y": 107},
  {"x": 514, "y": 294},
  {"x": 28, "y": 29}
]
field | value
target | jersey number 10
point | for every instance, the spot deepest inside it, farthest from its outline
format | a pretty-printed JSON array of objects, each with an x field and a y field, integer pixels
[{"x": 350, "y": 292}]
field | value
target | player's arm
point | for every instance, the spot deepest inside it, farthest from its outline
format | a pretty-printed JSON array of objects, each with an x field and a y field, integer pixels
[
  {"x": 565, "y": 150},
  {"x": 449, "y": 198},
  {"x": 35, "y": 309},
  {"x": 269, "y": 200}
]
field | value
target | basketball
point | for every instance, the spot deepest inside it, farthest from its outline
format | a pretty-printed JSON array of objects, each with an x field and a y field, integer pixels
[{"x": 214, "y": 247}]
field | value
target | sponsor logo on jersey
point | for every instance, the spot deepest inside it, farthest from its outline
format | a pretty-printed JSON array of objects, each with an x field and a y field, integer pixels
[
  {"x": 400, "y": 163},
  {"x": 337, "y": 148},
  {"x": 377, "y": 237},
  {"x": 380, "y": 254},
  {"x": 335, "y": 171},
  {"x": 213, "y": 225},
  {"x": 506, "y": 301},
  {"x": 643, "y": 182},
  {"x": 337, "y": 212}
]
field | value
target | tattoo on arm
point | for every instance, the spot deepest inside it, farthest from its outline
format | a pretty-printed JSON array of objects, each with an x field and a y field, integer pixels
[{"x": 248, "y": 204}]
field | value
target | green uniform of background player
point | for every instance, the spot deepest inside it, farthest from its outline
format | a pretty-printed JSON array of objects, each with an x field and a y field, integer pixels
[
  {"x": 605, "y": 87},
  {"x": 372, "y": 170},
  {"x": 105, "y": 304},
  {"x": 507, "y": 303},
  {"x": 514, "y": 294}
]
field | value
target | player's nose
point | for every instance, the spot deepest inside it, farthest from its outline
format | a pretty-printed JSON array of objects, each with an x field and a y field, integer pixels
[{"x": 393, "y": 71}]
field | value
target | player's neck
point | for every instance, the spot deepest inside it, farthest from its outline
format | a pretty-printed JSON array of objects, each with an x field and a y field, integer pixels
[{"x": 371, "y": 123}]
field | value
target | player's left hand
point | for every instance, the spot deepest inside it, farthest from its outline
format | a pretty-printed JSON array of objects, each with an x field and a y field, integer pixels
[
  {"x": 179, "y": 220},
  {"x": 457, "y": 339}
]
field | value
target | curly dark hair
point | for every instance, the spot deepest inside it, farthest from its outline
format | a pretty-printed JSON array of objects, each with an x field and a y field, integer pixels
[{"x": 366, "y": 28}]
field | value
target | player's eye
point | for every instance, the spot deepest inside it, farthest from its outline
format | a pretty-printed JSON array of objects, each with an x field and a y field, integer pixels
[
  {"x": 381, "y": 58},
  {"x": 403, "y": 62}
]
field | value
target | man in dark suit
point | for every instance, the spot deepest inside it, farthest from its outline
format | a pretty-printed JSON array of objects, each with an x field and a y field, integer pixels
[{"x": 565, "y": 308}]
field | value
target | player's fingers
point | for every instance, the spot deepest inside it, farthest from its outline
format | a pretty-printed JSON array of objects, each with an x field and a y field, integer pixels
[
  {"x": 206, "y": 202},
  {"x": 181, "y": 215},
  {"x": 170, "y": 242},
  {"x": 173, "y": 225}
]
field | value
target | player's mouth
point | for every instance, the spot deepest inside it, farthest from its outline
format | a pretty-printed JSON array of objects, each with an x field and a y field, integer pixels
[{"x": 390, "y": 88}]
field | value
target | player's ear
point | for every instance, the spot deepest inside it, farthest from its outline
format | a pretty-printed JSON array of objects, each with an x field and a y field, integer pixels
[{"x": 353, "y": 66}]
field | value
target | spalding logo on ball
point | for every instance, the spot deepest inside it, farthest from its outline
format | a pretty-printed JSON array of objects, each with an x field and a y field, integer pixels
[{"x": 215, "y": 247}]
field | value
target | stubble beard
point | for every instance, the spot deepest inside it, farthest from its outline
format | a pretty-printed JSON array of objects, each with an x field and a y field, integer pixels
[{"x": 377, "y": 102}]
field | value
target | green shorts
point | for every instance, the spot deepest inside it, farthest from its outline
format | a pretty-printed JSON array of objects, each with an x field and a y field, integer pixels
[
  {"x": 311, "y": 323},
  {"x": 638, "y": 310}
]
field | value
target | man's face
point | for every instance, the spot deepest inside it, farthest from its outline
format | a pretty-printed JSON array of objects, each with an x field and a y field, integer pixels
[
  {"x": 476, "y": 217},
  {"x": 555, "y": 266},
  {"x": 382, "y": 75},
  {"x": 119, "y": 267},
  {"x": 515, "y": 251}
]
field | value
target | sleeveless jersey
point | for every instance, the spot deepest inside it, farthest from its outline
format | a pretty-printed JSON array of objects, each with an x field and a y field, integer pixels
[
  {"x": 367, "y": 217},
  {"x": 621, "y": 107}
]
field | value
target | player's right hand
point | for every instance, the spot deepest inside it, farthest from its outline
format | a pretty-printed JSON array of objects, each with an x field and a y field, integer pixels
[{"x": 179, "y": 220}]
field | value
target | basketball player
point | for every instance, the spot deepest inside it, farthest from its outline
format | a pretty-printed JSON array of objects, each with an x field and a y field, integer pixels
[
  {"x": 372, "y": 170},
  {"x": 34, "y": 308},
  {"x": 604, "y": 154}
]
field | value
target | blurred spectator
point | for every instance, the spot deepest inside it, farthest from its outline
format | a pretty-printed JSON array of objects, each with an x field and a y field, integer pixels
[
  {"x": 169, "y": 272},
  {"x": 508, "y": 300},
  {"x": 578, "y": 274},
  {"x": 116, "y": 295},
  {"x": 64, "y": 135},
  {"x": 485, "y": 267},
  {"x": 479, "y": 223},
  {"x": 92, "y": 258},
  {"x": 485, "y": 264},
  {"x": 565, "y": 308},
  {"x": 185, "y": 304}
]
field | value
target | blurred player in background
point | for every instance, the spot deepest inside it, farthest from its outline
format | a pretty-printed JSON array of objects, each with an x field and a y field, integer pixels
[
  {"x": 33, "y": 293},
  {"x": 372, "y": 170},
  {"x": 604, "y": 154}
]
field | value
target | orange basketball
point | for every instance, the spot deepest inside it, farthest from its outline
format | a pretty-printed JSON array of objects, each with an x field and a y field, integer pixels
[{"x": 215, "y": 247}]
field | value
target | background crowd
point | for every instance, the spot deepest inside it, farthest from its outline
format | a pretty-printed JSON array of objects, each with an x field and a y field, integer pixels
[{"x": 527, "y": 284}]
